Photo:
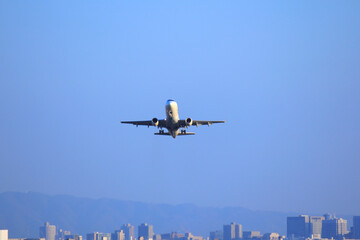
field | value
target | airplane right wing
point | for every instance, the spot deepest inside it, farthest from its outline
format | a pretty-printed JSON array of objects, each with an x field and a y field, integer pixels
[{"x": 197, "y": 123}]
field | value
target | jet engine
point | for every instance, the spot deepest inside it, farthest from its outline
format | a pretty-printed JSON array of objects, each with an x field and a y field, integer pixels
[
  {"x": 189, "y": 122},
  {"x": 155, "y": 122}
]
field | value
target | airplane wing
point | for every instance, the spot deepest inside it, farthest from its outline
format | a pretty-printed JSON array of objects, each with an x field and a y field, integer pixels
[
  {"x": 198, "y": 122},
  {"x": 162, "y": 123}
]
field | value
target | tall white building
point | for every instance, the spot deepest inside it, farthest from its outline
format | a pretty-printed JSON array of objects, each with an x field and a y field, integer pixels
[
  {"x": 145, "y": 231},
  {"x": 334, "y": 228},
  {"x": 128, "y": 230},
  {"x": 315, "y": 227},
  {"x": 48, "y": 231},
  {"x": 232, "y": 231},
  {"x": 98, "y": 236},
  {"x": 4, "y": 234},
  {"x": 118, "y": 235}
]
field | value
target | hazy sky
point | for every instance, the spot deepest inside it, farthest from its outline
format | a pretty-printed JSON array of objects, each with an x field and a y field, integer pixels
[{"x": 285, "y": 75}]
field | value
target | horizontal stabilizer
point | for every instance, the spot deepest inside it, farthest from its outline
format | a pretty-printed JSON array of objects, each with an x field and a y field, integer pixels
[
  {"x": 165, "y": 133},
  {"x": 187, "y": 133},
  {"x": 179, "y": 134}
]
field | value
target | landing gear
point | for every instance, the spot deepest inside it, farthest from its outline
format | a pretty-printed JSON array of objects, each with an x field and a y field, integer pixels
[
  {"x": 183, "y": 131},
  {"x": 161, "y": 131}
]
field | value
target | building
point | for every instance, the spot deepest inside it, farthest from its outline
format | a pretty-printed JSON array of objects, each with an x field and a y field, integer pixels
[
  {"x": 73, "y": 237},
  {"x": 216, "y": 235},
  {"x": 4, "y": 234},
  {"x": 189, "y": 236},
  {"x": 172, "y": 236},
  {"x": 298, "y": 227},
  {"x": 251, "y": 234},
  {"x": 98, "y": 236},
  {"x": 47, "y": 231},
  {"x": 271, "y": 236},
  {"x": 356, "y": 227},
  {"x": 232, "y": 231},
  {"x": 180, "y": 236},
  {"x": 26, "y": 238},
  {"x": 118, "y": 235},
  {"x": 334, "y": 228},
  {"x": 145, "y": 231},
  {"x": 129, "y": 232},
  {"x": 63, "y": 234},
  {"x": 315, "y": 227}
]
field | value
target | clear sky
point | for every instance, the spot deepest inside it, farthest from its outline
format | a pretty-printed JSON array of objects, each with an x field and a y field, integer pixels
[{"x": 285, "y": 75}]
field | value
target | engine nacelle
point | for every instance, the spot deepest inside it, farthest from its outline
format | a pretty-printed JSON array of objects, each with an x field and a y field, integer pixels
[
  {"x": 155, "y": 122},
  {"x": 189, "y": 122}
]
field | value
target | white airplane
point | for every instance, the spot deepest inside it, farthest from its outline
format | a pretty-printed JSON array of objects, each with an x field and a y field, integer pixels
[{"x": 172, "y": 122}]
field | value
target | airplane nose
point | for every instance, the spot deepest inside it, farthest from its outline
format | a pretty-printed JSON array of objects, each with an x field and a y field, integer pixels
[{"x": 170, "y": 102}]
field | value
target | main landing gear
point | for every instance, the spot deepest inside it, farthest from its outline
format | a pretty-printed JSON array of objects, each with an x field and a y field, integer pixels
[
  {"x": 183, "y": 131},
  {"x": 161, "y": 131}
]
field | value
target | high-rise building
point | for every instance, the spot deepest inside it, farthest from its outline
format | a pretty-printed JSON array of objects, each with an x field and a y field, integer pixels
[
  {"x": 4, "y": 234},
  {"x": 180, "y": 236},
  {"x": 63, "y": 234},
  {"x": 271, "y": 236},
  {"x": 91, "y": 236},
  {"x": 145, "y": 231},
  {"x": 129, "y": 232},
  {"x": 189, "y": 236},
  {"x": 356, "y": 227},
  {"x": 77, "y": 237},
  {"x": 47, "y": 231},
  {"x": 315, "y": 227},
  {"x": 232, "y": 231},
  {"x": 118, "y": 235},
  {"x": 251, "y": 234},
  {"x": 298, "y": 227},
  {"x": 73, "y": 237},
  {"x": 334, "y": 228},
  {"x": 172, "y": 236},
  {"x": 98, "y": 236},
  {"x": 216, "y": 235}
]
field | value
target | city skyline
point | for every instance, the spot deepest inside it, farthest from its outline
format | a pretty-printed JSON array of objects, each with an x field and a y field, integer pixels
[
  {"x": 82, "y": 216},
  {"x": 302, "y": 227}
]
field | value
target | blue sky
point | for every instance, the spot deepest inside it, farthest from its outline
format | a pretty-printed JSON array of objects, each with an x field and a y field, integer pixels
[{"x": 283, "y": 74}]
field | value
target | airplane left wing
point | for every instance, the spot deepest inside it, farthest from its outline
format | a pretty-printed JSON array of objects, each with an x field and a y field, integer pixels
[
  {"x": 160, "y": 123},
  {"x": 198, "y": 123}
]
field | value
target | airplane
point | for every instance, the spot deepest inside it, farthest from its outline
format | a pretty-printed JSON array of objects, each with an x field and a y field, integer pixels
[{"x": 172, "y": 122}]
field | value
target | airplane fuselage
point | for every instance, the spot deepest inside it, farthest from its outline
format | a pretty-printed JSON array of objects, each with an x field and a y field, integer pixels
[{"x": 172, "y": 118}]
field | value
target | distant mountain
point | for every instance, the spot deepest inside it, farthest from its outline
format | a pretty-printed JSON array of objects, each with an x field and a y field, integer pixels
[{"x": 23, "y": 213}]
